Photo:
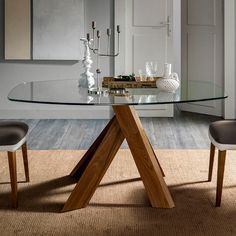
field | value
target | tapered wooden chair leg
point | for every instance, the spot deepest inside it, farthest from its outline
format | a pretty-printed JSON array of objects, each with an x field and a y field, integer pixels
[
  {"x": 13, "y": 177},
  {"x": 25, "y": 159},
  {"x": 211, "y": 161},
  {"x": 220, "y": 176}
]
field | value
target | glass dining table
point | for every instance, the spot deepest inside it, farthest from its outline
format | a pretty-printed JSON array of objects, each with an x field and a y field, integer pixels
[{"x": 124, "y": 125}]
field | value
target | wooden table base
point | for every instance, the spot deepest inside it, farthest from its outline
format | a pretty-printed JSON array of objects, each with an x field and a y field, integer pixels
[{"x": 94, "y": 164}]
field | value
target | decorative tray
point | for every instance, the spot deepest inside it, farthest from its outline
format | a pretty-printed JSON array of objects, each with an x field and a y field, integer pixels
[{"x": 111, "y": 82}]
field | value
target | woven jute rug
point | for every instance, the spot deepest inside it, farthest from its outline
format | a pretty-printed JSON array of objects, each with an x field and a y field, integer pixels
[{"x": 120, "y": 205}]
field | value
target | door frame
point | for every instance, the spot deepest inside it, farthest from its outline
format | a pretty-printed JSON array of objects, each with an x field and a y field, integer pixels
[{"x": 229, "y": 58}]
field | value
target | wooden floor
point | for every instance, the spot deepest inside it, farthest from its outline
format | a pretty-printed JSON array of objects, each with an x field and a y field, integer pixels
[{"x": 184, "y": 131}]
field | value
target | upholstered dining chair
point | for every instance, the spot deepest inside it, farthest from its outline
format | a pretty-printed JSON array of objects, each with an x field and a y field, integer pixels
[
  {"x": 13, "y": 136},
  {"x": 223, "y": 136}
]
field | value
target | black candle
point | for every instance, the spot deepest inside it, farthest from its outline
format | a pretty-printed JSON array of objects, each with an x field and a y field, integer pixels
[
  {"x": 118, "y": 29},
  {"x": 109, "y": 32},
  {"x": 94, "y": 24},
  {"x": 98, "y": 34},
  {"x": 88, "y": 37}
]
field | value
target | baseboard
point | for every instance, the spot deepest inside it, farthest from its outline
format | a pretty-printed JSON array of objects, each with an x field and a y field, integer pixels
[
  {"x": 156, "y": 110},
  {"x": 83, "y": 112},
  {"x": 80, "y": 113},
  {"x": 200, "y": 109}
]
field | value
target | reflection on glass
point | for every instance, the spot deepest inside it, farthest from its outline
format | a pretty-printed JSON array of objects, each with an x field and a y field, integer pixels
[
  {"x": 151, "y": 70},
  {"x": 67, "y": 92},
  {"x": 142, "y": 75}
]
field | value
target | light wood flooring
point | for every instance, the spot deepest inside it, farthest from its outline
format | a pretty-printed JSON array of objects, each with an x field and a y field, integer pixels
[{"x": 184, "y": 131}]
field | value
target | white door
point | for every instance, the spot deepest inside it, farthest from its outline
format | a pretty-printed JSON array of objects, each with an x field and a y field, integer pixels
[
  {"x": 202, "y": 49},
  {"x": 146, "y": 35}
]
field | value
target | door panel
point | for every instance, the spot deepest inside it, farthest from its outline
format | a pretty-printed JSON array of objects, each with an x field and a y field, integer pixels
[
  {"x": 202, "y": 50},
  {"x": 142, "y": 51},
  {"x": 156, "y": 12},
  {"x": 201, "y": 12},
  {"x": 201, "y": 63},
  {"x": 146, "y": 38}
]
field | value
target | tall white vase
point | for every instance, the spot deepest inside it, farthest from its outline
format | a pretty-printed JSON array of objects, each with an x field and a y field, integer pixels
[{"x": 87, "y": 79}]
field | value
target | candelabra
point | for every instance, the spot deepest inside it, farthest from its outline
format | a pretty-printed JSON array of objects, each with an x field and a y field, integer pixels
[{"x": 95, "y": 47}]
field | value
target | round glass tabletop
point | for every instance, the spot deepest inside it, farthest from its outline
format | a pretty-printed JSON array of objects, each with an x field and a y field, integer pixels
[{"x": 67, "y": 92}]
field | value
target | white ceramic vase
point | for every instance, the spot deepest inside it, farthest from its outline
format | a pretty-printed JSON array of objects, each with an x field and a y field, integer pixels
[
  {"x": 170, "y": 84},
  {"x": 87, "y": 79}
]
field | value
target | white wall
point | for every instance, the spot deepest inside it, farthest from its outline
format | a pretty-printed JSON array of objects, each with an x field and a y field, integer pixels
[
  {"x": 13, "y": 73},
  {"x": 101, "y": 11}
]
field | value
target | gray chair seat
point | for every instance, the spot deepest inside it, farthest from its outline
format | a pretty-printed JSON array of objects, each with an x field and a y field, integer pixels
[
  {"x": 12, "y": 132},
  {"x": 223, "y": 131}
]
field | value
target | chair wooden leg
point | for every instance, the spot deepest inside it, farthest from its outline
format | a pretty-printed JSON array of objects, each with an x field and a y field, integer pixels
[
  {"x": 220, "y": 176},
  {"x": 25, "y": 159},
  {"x": 211, "y": 161},
  {"x": 13, "y": 177}
]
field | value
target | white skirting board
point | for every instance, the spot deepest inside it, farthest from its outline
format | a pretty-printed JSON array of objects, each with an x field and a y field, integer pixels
[
  {"x": 200, "y": 109},
  {"x": 156, "y": 110},
  {"x": 84, "y": 112},
  {"x": 80, "y": 113}
]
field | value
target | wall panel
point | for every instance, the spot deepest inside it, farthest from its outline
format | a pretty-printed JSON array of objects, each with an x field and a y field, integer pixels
[
  {"x": 58, "y": 26},
  {"x": 17, "y": 29}
]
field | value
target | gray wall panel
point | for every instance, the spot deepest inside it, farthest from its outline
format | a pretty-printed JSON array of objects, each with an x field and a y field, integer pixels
[{"x": 58, "y": 26}]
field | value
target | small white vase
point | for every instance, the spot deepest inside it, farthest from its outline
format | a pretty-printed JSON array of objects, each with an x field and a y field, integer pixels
[{"x": 170, "y": 84}]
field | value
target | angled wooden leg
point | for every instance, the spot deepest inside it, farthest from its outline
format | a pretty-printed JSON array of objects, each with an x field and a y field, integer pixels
[
  {"x": 83, "y": 163},
  {"x": 144, "y": 157},
  {"x": 96, "y": 168},
  {"x": 220, "y": 176},
  {"x": 25, "y": 159},
  {"x": 211, "y": 161},
  {"x": 162, "y": 171},
  {"x": 13, "y": 177}
]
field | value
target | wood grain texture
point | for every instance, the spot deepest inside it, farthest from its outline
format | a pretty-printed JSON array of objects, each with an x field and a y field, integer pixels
[
  {"x": 211, "y": 161},
  {"x": 110, "y": 82},
  {"x": 144, "y": 157},
  {"x": 162, "y": 171},
  {"x": 98, "y": 158},
  {"x": 25, "y": 160},
  {"x": 13, "y": 177},
  {"x": 96, "y": 168},
  {"x": 220, "y": 176}
]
